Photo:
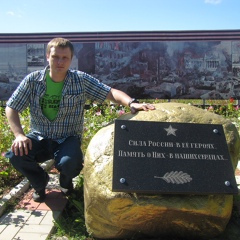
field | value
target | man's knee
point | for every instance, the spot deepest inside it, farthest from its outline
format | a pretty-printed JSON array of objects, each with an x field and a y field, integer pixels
[
  {"x": 70, "y": 167},
  {"x": 16, "y": 161}
]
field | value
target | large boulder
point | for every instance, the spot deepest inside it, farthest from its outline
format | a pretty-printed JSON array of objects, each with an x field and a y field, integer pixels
[{"x": 125, "y": 215}]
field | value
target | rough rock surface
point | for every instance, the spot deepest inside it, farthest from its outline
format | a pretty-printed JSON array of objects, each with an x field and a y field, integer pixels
[{"x": 125, "y": 215}]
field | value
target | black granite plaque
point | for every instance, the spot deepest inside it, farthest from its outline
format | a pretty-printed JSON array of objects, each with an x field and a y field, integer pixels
[{"x": 169, "y": 157}]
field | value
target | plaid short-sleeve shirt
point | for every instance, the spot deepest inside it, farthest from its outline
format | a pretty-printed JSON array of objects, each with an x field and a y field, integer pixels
[{"x": 78, "y": 87}]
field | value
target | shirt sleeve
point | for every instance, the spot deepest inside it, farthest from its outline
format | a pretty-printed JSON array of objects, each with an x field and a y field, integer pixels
[
  {"x": 95, "y": 90},
  {"x": 20, "y": 97}
]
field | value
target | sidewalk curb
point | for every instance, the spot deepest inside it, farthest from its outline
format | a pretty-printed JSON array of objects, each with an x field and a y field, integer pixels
[{"x": 21, "y": 188}]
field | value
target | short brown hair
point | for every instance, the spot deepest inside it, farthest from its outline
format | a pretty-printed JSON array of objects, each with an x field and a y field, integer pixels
[{"x": 60, "y": 42}]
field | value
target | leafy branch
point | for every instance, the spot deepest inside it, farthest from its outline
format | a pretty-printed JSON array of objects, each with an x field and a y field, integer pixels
[{"x": 176, "y": 177}]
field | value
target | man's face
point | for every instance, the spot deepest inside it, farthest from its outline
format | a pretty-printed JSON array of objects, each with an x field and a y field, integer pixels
[{"x": 59, "y": 60}]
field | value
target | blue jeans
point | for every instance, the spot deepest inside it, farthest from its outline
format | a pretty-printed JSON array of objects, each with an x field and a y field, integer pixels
[{"x": 67, "y": 155}]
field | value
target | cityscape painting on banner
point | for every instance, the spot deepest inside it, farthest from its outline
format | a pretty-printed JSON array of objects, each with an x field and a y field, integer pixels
[{"x": 144, "y": 69}]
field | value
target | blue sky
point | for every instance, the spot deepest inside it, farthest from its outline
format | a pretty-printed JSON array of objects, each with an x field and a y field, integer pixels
[{"x": 38, "y": 16}]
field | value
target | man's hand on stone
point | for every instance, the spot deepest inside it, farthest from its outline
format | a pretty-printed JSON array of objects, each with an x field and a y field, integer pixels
[{"x": 141, "y": 106}]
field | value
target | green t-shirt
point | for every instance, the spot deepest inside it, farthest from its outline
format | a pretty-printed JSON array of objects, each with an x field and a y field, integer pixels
[{"x": 51, "y": 99}]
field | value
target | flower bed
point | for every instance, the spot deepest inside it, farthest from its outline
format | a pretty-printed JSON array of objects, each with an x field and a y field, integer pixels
[{"x": 96, "y": 117}]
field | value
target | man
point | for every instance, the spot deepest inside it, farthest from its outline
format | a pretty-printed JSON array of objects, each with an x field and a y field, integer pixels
[{"x": 56, "y": 96}]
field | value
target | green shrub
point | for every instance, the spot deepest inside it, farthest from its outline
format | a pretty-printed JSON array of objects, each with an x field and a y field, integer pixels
[{"x": 8, "y": 175}]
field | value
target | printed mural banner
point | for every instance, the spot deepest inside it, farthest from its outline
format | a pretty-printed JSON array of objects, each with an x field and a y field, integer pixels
[{"x": 163, "y": 70}]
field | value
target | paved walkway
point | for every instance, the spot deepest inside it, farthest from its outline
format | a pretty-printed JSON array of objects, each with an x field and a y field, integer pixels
[{"x": 31, "y": 220}]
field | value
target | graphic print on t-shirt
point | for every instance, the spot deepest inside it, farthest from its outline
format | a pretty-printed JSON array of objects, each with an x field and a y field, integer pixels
[{"x": 50, "y": 105}]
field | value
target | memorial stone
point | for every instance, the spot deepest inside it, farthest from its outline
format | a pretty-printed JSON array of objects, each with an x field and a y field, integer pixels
[{"x": 110, "y": 214}]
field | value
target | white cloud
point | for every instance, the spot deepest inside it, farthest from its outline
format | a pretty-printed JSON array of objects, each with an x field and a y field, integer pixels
[
  {"x": 10, "y": 13},
  {"x": 13, "y": 14},
  {"x": 213, "y": 1}
]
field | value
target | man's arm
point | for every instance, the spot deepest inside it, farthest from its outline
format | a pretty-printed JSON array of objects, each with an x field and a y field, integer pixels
[
  {"x": 122, "y": 98},
  {"x": 21, "y": 144}
]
